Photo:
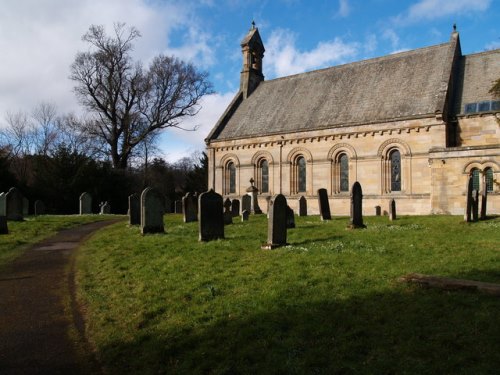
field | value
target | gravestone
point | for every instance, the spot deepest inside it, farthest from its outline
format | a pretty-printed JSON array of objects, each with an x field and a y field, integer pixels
[
  {"x": 39, "y": 207},
  {"x": 484, "y": 199},
  {"x": 105, "y": 208},
  {"x": 178, "y": 207},
  {"x": 268, "y": 203},
  {"x": 246, "y": 202},
  {"x": 475, "y": 205},
  {"x": 211, "y": 223},
  {"x": 235, "y": 207},
  {"x": 85, "y": 204},
  {"x": 468, "y": 200},
  {"x": 324, "y": 205},
  {"x": 302, "y": 206},
  {"x": 151, "y": 211},
  {"x": 392, "y": 209},
  {"x": 356, "y": 207},
  {"x": 378, "y": 210},
  {"x": 14, "y": 205},
  {"x": 244, "y": 215},
  {"x": 228, "y": 214},
  {"x": 290, "y": 217},
  {"x": 134, "y": 209},
  {"x": 189, "y": 208},
  {"x": 276, "y": 228},
  {"x": 26, "y": 206},
  {"x": 3, "y": 214},
  {"x": 254, "y": 200}
]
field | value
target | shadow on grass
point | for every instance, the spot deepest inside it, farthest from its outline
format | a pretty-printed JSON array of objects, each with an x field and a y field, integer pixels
[{"x": 408, "y": 330}]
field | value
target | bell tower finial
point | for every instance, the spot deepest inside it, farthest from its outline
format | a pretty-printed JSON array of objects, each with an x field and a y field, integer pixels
[{"x": 253, "y": 50}]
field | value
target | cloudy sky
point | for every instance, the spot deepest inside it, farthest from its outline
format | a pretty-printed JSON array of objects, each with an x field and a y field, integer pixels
[{"x": 40, "y": 38}]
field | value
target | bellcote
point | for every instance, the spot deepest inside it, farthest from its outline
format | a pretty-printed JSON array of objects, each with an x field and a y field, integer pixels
[{"x": 253, "y": 50}]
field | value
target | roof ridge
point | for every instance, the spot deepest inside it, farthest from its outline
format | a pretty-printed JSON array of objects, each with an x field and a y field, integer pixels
[{"x": 496, "y": 50}]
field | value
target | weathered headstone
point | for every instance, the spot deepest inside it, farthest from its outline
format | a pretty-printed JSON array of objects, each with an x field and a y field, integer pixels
[
  {"x": 475, "y": 205},
  {"x": 290, "y": 218},
  {"x": 254, "y": 202},
  {"x": 356, "y": 206},
  {"x": 235, "y": 207},
  {"x": 105, "y": 208},
  {"x": 228, "y": 214},
  {"x": 276, "y": 229},
  {"x": 134, "y": 209},
  {"x": 85, "y": 204},
  {"x": 468, "y": 200},
  {"x": 14, "y": 205},
  {"x": 211, "y": 223},
  {"x": 26, "y": 206},
  {"x": 324, "y": 205},
  {"x": 378, "y": 210},
  {"x": 189, "y": 208},
  {"x": 39, "y": 207},
  {"x": 244, "y": 215},
  {"x": 484, "y": 199},
  {"x": 3, "y": 214},
  {"x": 302, "y": 206},
  {"x": 178, "y": 207},
  {"x": 392, "y": 209},
  {"x": 246, "y": 202},
  {"x": 151, "y": 211}
]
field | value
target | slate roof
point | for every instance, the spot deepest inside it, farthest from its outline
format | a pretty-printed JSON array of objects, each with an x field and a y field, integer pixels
[{"x": 402, "y": 85}]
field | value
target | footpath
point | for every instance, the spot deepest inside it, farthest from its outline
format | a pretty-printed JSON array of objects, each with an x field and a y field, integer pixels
[{"x": 41, "y": 329}]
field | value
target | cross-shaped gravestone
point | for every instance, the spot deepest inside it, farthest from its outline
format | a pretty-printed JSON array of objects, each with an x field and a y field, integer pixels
[{"x": 228, "y": 214}]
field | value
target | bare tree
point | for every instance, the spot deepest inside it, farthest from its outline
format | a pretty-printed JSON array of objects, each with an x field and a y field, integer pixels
[
  {"x": 45, "y": 132},
  {"x": 130, "y": 102}
]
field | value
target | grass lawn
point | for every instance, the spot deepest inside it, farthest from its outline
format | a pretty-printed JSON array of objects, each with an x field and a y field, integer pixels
[
  {"x": 36, "y": 228},
  {"x": 327, "y": 304}
]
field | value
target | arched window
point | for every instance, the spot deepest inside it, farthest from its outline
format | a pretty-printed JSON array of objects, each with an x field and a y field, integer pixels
[
  {"x": 395, "y": 167},
  {"x": 263, "y": 176},
  {"x": 230, "y": 178},
  {"x": 488, "y": 179},
  {"x": 475, "y": 179},
  {"x": 343, "y": 163},
  {"x": 301, "y": 174}
]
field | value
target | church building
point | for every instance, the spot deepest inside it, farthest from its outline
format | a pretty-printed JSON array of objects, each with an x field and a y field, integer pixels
[{"x": 410, "y": 126}]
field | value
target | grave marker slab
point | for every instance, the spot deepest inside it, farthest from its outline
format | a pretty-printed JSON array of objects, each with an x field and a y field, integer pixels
[
  {"x": 134, "y": 209},
  {"x": 302, "y": 206},
  {"x": 189, "y": 208},
  {"x": 26, "y": 206},
  {"x": 468, "y": 200},
  {"x": 85, "y": 204},
  {"x": 246, "y": 203},
  {"x": 151, "y": 211},
  {"x": 105, "y": 208},
  {"x": 235, "y": 207},
  {"x": 178, "y": 207},
  {"x": 356, "y": 206},
  {"x": 276, "y": 229},
  {"x": 228, "y": 214},
  {"x": 254, "y": 200},
  {"x": 392, "y": 209},
  {"x": 244, "y": 215},
  {"x": 324, "y": 205},
  {"x": 211, "y": 223},
  {"x": 378, "y": 211},
  {"x": 14, "y": 205}
]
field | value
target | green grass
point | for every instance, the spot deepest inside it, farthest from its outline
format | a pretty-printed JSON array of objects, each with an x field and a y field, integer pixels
[
  {"x": 36, "y": 228},
  {"x": 327, "y": 304}
]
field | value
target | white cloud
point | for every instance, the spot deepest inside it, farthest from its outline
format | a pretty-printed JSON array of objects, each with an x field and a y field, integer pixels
[
  {"x": 344, "y": 8},
  {"x": 370, "y": 44},
  {"x": 284, "y": 58},
  {"x": 433, "y": 9},
  {"x": 392, "y": 37}
]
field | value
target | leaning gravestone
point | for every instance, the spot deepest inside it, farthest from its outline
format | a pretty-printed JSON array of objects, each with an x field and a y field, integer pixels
[
  {"x": 189, "y": 208},
  {"x": 211, "y": 222},
  {"x": 85, "y": 204},
  {"x": 468, "y": 200},
  {"x": 276, "y": 228},
  {"x": 324, "y": 205},
  {"x": 228, "y": 215},
  {"x": 14, "y": 205},
  {"x": 235, "y": 207},
  {"x": 484, "y": 199},
  {"x": 151, "y": 211},
  {"x": 246, "y": 202},
  {"x": 290, "y": 218},
  {"x": 392, "y": 209},
  {"x": 244, "y": 215},
  {"x": 3, "y": 214},
  {"x": 39, "y": 207},
  {"x": 302, "y": 206},
  {"x": 356, "y": 207},
  {"x": 475, "y": 205},
  {"x": 134, "y": 209}
]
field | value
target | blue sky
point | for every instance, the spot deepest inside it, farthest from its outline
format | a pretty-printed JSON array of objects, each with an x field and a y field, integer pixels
[{"x": 39, "y": 39}]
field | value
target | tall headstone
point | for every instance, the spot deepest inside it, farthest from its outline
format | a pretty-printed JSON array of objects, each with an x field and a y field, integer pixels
[
  {"x": 134, "y": 209},
  {"x": 3, "y": 214},
  {"x": 392, "y": 209},
  {"x": 235, "y": 207},
  {"x": 85, "y": 204},
  {"x": 254, "y": 200},
  {"x": 39, "y": 207},
  {"x": 211, "y": 223},
  {"x": 302, "y": 206},
  {"x": 246, "y": 202},
  {"x": 378, "y": 210},
  {"x": 244, "y": 215},
  {"x": 468, "y": 200},
  {"x": 475, "y": 205},
  {"x": 26, "y": 206},
  {"x": 324, "y": 205},
  {"x": 189, "y": 208},
  {"x": 484, "y": 199},
  {"x": 356, "y": 206},
  {"x": 228, "y": 214},
  {"x": 178, "y": 207},
  {"x": 151, "y": 211},
  {"x": 276, "y": 229},
  {"x": 14, "y": 205},
  {"x": 290, "y": 218},
  {"x": 105, "y": 208}
]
